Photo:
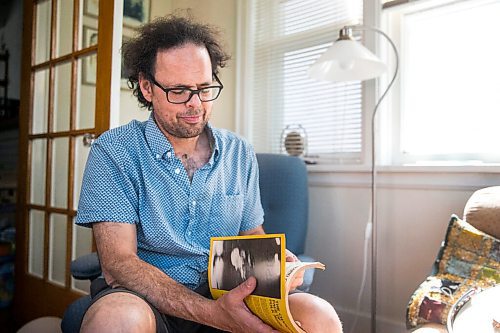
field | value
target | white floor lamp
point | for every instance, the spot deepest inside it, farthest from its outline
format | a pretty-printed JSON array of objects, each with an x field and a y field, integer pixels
[{"x": 348, "y": 60}]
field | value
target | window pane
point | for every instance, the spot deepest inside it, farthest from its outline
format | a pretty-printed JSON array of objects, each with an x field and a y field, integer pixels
[
  {"x": 288, "y": 36},
  {"x": 36, "y": 243},
  {"x": 60, "y": 161},
  {"x": 330, "y": 112},
  {"x": 42, "y": 31},
  {"x": 57, "y": 252},
  {"x": 85, "y": 111},
  {"x": 450, "y": 81},
  {"x": 64, "y": 27},
  {"x": 62, "y": 97},
  {"x": 38, "y": 167},
  {"x": 40, "y": 102},
  {"x": 88, "y": 23},
  {"x": 81, "y": 154}
]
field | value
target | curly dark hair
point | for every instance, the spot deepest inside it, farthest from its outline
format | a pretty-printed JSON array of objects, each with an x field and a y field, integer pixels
[{"x": 139, "y": 53}]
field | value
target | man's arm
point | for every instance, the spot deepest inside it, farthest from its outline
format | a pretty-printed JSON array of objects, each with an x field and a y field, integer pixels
[
  {"x": 255, "y": 231},
  {"x": 117, "y": 247}
]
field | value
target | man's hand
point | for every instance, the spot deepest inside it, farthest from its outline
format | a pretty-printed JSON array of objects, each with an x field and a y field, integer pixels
[
  {"x": 299, "y": 278},
  {"x": 233, "y": 315}
]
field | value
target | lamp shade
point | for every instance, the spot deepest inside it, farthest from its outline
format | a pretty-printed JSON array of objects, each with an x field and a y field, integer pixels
[{"x": 347, "y": 60}]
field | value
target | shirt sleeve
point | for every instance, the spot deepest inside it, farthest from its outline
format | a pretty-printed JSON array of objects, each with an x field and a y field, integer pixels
[
  {"x": 253, "y": 214},
  {"x": 107, "y": 193}
]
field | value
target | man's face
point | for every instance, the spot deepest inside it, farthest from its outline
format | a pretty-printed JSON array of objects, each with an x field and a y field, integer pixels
[{"x": 187, "y": 66}]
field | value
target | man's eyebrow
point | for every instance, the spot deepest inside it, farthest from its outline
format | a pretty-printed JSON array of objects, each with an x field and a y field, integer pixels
[{"x": 184, "y": 86}]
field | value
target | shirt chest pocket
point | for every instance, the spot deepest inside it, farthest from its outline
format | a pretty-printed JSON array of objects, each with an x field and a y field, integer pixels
[{"x": 226, "y": 214}]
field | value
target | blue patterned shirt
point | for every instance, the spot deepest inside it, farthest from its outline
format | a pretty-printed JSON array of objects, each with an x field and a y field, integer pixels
[{"x": 133, "y": 176}]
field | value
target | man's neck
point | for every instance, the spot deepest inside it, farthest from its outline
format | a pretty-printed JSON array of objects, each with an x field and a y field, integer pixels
[
  {"x": 193, "y": 152},
  {"x": 190, "y": 146}
]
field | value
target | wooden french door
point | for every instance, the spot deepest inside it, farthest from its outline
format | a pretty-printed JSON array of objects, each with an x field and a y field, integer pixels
[{"x": 66, "y": 80}]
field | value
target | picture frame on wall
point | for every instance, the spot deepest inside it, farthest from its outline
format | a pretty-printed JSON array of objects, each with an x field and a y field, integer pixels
[
  {"x": 136, "y": 12},
  {"x": 91, "y": 7},
  {"x": 89, "y": 63}
]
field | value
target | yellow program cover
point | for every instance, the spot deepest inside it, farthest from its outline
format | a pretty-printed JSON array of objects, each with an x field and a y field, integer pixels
[{"x": 234, "y": 259}]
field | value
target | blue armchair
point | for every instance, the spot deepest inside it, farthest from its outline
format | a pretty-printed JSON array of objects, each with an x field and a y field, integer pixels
[{"x": 285, "y": 199}]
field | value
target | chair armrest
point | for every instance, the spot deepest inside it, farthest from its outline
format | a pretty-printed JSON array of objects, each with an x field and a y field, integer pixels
[{"x": 86, "y": 267}]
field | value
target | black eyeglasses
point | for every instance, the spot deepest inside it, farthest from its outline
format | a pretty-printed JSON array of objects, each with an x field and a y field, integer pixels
[{"x": 183, "y": 95}]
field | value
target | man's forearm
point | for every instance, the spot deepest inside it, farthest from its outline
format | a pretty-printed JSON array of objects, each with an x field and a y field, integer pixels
[
  {"x": 166, "y": 294},
  {"x": 117, "y": 247}
]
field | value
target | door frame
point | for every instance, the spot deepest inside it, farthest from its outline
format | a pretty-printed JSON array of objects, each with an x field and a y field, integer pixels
[{"x": 35, "y": 297}]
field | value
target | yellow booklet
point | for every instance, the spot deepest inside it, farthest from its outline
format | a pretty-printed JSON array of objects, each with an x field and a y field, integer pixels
[{"x": 235, "y": 259}]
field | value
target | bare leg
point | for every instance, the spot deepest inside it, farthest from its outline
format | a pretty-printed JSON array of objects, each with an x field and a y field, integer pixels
[
  {"x": 119, "y": 312},
  {"x": 314, "y": 314}
]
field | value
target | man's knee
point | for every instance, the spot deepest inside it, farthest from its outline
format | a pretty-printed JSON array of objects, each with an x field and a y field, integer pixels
[
  {"x": 314, "y": 313},
  {"x": 118, "y": 312}
]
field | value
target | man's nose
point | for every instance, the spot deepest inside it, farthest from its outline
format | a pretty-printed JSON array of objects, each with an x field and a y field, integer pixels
[{"x": 194, "y": 100}]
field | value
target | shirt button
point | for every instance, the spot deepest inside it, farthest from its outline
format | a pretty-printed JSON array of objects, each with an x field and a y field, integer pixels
[
  {"x": 189, "y": 233},
  {"x": 157, "y": 156},
  {"x": 169, "y": 154},
  {"x": 194, "y": 202}
]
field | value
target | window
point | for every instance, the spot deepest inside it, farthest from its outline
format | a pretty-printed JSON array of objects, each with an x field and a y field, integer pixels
[
  {"x": 284, "y": 38},
  {"x": 447, "y": 109}
]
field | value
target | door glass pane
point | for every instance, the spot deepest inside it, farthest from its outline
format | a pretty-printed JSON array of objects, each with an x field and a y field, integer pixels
[
  {"x": 60, "y": 161},
  {"x": 40, "y": 102},
  {"x": 89, "y": 23},
  {"x": 36, "y": 242},
  {"x": 81, "y": 154},
  {"x": 62, "y": 97},
  {"x": 57, "y": 249},
  {"x": 64, "y": 29},
  {"x": 38, "y": 165},
  {"x": 82, "y": 245},
  {"x": 85, "y": 111},
  {"x": 42, "y": 31},
  {"x": 89, "y": 36}
]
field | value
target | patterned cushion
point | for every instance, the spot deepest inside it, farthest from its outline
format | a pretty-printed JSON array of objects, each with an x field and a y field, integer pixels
[{"x": 468, "y": 258}]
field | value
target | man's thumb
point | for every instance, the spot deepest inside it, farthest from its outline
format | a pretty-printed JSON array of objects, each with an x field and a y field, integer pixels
[{"x": 246, "y": 288}]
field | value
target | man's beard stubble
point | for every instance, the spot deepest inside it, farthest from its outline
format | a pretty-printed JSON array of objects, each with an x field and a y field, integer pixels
[{"x": 186, "y": 131}]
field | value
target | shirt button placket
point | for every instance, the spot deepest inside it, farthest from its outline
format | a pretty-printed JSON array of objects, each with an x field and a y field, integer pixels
[{"x": 192, "y": 209}]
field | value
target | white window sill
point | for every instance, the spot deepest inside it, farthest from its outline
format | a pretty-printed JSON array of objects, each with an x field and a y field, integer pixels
[{"x": 411, "y": 168}]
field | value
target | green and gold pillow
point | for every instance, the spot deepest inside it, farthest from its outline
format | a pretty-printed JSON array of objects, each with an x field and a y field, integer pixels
[{"x": 468, "y": 258}]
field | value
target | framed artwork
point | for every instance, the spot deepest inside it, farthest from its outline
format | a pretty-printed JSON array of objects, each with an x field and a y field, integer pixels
[
  {"x": 89, "y": 63},
  {"x": 91, "y": 7},
  {"x": 136, "y": 12}
]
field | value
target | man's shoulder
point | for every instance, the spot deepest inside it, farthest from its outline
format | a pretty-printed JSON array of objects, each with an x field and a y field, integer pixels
[
  {"x": 122, "y": 134},
  {"x": 226, "y": 136}
]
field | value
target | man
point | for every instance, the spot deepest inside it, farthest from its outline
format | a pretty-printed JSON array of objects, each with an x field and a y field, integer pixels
[{"x": 155, "y": 192}]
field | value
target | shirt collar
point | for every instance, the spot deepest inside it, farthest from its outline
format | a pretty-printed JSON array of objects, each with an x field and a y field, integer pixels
[
  {"x": 157, "y": 141},
  {"x": 160, "y": 145}
]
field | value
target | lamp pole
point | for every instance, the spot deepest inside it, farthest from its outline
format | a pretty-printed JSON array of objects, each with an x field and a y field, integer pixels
[
  {"x": 346, "y": 60},
  {"x": 373, "y": 217}
]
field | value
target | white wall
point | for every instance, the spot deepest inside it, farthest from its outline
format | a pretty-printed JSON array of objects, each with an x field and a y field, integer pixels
[
  {"x": 129, "y": 107},
  {"x": 414, "y": 208}
]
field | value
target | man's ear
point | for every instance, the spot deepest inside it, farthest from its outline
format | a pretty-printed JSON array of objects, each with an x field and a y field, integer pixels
[{"x": 146, "y": 87}]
